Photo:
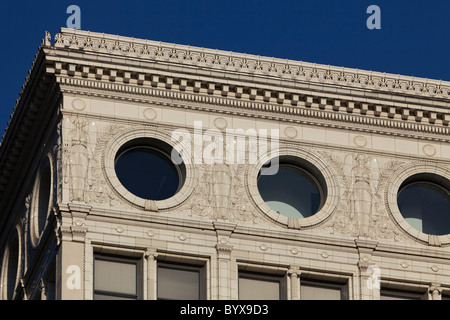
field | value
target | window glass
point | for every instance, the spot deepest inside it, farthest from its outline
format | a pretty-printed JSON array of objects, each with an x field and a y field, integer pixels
[
  {"x": 292, "y": 192},
  {"x": 425, "y": 206},
  {"x": 148, "y": 173},
  {"x": 13, "y": 265},
  {"x": 44, "y": 196},
  {"x": 115, "y": 280},
  {"x": 315, "y": 289},
  {"x": 178, "y": 283},
  {"x": 314, "y": 292},
  {"x": 258, "y": 289},
  {"x": 386, "y": 294}
]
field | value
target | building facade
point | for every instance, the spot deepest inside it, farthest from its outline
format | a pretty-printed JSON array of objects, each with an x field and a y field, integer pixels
[{"x": 135, "y": 169}]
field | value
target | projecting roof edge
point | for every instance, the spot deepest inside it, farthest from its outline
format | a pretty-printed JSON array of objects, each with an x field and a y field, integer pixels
[{"x": 252, "y": 64}]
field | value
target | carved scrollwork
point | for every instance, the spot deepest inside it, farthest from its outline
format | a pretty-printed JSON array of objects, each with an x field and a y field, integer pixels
[{"x": 99, "y": 192}]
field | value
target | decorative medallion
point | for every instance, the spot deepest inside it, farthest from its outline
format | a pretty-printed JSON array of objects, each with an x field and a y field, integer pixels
[
  {"x": 78, "y": 104},
  {"x": 150, "y": 114},
  {"x": 290, "y": 132},
  {"x": 360, "y": 141},
  {"x": 429, "y": 150},
  {"x": 220, "y": 123}
]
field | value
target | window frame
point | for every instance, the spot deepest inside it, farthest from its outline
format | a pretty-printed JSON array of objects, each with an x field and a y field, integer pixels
[
  {"x": 121, "y": 259},
  {"x": 163, "y": 154},
  {"x": 413, "y": 183},
  {"x": 201, "y": 268},
  {"x": 403, "y": 293},
  {"x": 317, "y": 184},
  {"x": 326, "y": 283},
  {"x": 281, "y": 279},
  {"x": 404, "y": 175}
]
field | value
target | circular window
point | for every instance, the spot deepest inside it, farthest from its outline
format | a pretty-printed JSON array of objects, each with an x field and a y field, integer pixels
[
  {"x": 294, "y": 190},
  {"x": 41, "y": 200},
  {"x": 424, "y": 203},
  {"x": 144, "y": 167}
]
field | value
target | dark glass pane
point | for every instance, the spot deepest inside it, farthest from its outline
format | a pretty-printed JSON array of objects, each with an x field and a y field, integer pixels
[
  {"x": 115, "y": 276},
  {"x": 312, "y": 291},
  {"x": 44, "y": 196},
  {"x": 13, "y": 265},
  {"x": 147, "y": 173},
  {"x": 178, "y": 284},
  {"x": 99, "y": 296},
  {"x": 291, "y": 192},
  {"x": 258, "y": 289},
  {"x": 426, "y": 207}
]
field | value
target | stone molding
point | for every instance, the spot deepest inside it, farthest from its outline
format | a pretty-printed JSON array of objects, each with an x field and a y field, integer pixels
[
  {"x": 107, "y": 164},
  {"x": 332, "y": 184},
  {"x": 381, "y": 100},
  {"x": 251, "y": 64},
  {"x": 414, "y": 125},
  {"x": 390, "y": 198}
]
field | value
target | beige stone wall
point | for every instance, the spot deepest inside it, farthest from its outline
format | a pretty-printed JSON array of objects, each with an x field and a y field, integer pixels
[{"x": 334, "y": 243}]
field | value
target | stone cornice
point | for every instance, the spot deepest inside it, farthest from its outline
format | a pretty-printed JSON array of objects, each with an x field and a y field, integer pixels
[
  {"x": 131, "y": 69},
  {"x": 39, "y": 93},
  {"x": 415, "y": 126},
  {"x": 250, "y": 64}
]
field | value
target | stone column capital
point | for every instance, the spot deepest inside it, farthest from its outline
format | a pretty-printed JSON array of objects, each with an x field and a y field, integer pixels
[
  {"x": 294, "y": 271},
  {"x": 435, "y": 290}
]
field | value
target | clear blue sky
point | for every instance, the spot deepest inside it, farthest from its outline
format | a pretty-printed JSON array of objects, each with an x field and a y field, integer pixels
[{"x": 413, "y": 39}]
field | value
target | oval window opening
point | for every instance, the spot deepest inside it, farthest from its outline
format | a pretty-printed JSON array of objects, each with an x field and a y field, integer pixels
[
  {"x": 148, "y": 171},
  {"x": 293, "y": 191},
  {"x": 425, "y": 205},
  {"x": 41, "y": 202},
  {"x": 13, "y": 265},
  {"x": 45, "y": 184}
]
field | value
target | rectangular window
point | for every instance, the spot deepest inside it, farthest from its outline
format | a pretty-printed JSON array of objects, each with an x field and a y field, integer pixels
[
  {"x": 116, "y": 278},
  {"x": 254, "y": 286},
  {"x": 322, "y": 290},
  {"x": 180, "y": 282},
  {"x": 393, "y": 294}
]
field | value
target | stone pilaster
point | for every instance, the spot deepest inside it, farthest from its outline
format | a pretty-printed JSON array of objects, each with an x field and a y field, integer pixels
[
  {"x": 223, "y": 231},
  {"x": 71, "y": 263},
  {"x": 370, "y": 273},
  {"x": 294, "y": 278},
  {"x": 71, "y": 233},
  {"x": 151, "y": 280}
]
